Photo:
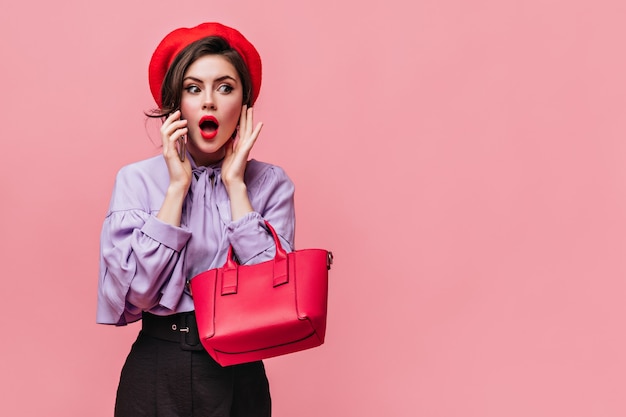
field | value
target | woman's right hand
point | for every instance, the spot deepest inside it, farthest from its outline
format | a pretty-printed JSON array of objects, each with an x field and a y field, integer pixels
[{"x": 175, "y": 128}]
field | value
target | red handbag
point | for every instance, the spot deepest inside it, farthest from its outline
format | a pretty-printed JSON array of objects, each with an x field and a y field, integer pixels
[{"x": 247, "y": 313}]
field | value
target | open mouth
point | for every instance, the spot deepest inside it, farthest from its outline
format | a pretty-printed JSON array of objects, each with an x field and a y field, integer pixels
[{"x": 209, "y": 127}]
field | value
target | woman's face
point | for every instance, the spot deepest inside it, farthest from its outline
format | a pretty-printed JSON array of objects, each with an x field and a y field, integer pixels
[{"x": 211, "y": 102}]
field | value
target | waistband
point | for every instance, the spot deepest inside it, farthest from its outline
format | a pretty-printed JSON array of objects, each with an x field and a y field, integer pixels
[{"x": 179, "y": 328}]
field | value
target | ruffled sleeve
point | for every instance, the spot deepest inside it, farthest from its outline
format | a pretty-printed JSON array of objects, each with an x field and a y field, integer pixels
[{"x": 138, "y": 256}]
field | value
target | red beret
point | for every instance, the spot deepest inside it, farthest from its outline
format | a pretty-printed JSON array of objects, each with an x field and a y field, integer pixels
[{"x": 178, "y": 39}]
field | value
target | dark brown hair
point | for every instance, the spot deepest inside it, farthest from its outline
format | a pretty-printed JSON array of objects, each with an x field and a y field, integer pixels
[{"x": 172, "y": 87}]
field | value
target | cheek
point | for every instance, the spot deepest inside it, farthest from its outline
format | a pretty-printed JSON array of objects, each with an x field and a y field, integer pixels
[
  {"x": 184, "y": 112},
  {"x": 191, "y": 104},
  {"x": 186, "y": 107},
  {"x": 232, "y": 113}
]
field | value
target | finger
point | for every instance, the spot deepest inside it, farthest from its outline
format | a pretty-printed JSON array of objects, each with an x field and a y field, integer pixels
[
  {"x": 249, "y": 120},
  {"x": 176, "y": 134},
  {"x": 242, "y": 119},
  {"x": 253, "y": 136},
  {"x": 257, "y": 130},
  {"x": 171, "y": 127},
  {"x": 172, "y": 117},
  {"x": 171, "y": 144},
  {"x": 177, "y": 129},
  {"x": 169, "y": 136},
  {"x": 244, "y": 146},
  {"x": 239, "y": 130}
]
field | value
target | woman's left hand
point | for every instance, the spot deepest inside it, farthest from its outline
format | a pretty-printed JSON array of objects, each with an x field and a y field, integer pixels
[{"x": 237, "y": 152}]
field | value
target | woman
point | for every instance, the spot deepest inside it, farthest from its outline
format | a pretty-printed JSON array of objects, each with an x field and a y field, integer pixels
[{"x": 175, "y": 215}]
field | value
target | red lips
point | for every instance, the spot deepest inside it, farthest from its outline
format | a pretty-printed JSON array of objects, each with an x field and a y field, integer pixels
[{"x": 208, "y": 127}]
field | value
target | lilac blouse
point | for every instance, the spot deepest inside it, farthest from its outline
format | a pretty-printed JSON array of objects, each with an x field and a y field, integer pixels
[{"x": 145, "y": 263}]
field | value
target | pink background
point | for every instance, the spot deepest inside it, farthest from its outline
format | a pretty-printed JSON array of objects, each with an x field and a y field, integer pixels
[{"x": 464, "y": 160}]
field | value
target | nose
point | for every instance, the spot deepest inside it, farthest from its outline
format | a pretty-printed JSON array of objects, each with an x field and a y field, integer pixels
[{"x": 209, "y": 101}]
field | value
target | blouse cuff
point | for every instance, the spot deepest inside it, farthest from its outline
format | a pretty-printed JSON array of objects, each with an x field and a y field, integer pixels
[
  {"x": 250, "y": 219},
  {"x": 171, "y": 236},
  {"x": 249, "y": 237}
]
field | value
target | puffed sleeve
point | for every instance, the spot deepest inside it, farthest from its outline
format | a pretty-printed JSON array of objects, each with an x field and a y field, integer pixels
[
  {"x": 138, "y": 254},
  {"x": 272, "y": 197}
]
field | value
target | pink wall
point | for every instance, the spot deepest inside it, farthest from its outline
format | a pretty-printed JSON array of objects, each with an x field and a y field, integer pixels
[{"x": 464, "y": 160}]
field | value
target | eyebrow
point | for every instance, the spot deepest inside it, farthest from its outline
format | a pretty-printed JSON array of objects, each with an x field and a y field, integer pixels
[{"x": 217, "y": 80}]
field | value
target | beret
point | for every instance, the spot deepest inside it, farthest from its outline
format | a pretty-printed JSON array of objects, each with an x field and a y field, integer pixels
[{"x": 178, "y": 39}]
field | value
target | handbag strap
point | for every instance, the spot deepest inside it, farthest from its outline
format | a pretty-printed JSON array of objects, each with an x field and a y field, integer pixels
[{"x": 230, "y": 270}]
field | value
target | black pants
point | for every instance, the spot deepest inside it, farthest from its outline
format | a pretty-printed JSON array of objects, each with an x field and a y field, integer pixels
[{"x": 160, "y": 379}]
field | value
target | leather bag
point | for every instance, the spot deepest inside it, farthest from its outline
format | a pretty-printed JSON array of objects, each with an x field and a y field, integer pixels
[{"x": 248, "y": 313}]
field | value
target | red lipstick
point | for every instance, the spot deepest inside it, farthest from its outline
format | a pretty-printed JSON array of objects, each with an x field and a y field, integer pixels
[{"x": 208, "y": 127}]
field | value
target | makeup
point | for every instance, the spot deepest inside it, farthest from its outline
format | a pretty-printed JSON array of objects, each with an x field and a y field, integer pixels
[{"x": 208, "y": 127}]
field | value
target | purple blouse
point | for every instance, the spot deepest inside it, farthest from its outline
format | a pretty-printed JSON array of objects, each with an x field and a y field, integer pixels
[{"x": 145, "y": 263}]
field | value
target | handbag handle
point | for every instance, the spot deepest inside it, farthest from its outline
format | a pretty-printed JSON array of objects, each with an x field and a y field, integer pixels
[{"x": 230, "y": 270}]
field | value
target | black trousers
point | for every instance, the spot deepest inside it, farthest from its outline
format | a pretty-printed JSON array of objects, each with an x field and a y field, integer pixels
[{"x": 159, "y": 379}]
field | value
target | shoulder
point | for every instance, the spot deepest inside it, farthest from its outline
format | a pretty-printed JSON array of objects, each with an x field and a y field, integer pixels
[
  {"x": 262, "y": 172},
  {"x": 150, "y": 169},
  {"x": 140, "y": 184},
  {"x": 267, "y": 183}
]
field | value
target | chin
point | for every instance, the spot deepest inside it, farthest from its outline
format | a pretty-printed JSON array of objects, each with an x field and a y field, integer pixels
[
  {"x": 213, "y": 152},
  {"x": 208, "y": 147},
  {"x": 209, "y": 150}
]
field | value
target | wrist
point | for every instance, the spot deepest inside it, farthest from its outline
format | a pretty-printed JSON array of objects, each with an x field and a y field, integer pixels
[
  {"x": 171, "y": 209},
  {"x": 177, "y": 190},
  {"x": 239, "y": 202},
  {"x": 235, "y": 187}
]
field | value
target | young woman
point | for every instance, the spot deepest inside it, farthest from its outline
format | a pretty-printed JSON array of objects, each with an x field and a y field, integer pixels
[{"x": 175, "y": 215}]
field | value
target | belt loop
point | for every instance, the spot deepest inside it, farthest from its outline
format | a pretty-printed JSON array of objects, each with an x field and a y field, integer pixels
[{"x": 189, "y": 338}]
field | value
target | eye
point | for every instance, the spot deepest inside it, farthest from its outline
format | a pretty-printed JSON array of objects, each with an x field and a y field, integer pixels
[
  {"x": 193, "y": 89},
  {"x": 225, "y": 88}
]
